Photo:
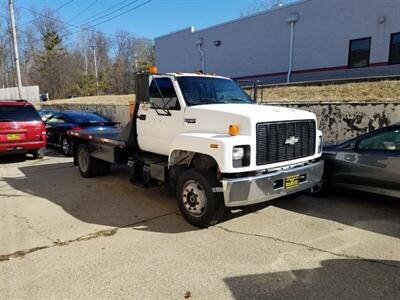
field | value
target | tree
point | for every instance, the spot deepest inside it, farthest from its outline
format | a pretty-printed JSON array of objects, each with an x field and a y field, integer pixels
[{"x": 49, "y": 63}]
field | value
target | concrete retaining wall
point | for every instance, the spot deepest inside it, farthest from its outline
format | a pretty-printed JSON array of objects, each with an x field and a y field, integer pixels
[
  {"x": 30, "y": 93},
  {"x": 338, "y": 121},
  {"x": 341, "y": 121}
]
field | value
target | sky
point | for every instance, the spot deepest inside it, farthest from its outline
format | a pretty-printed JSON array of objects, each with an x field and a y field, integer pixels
[{"x": 153, "y": 19}]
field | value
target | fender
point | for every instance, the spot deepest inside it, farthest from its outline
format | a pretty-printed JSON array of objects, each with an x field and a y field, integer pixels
[{"x": 219, "y": 146}]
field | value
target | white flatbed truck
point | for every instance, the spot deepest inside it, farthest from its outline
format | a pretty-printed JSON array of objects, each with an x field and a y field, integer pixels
[{"x": 209, "y": 143}]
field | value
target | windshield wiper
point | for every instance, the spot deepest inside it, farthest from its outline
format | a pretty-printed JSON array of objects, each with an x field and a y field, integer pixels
[{"x": 238, "y": 100}]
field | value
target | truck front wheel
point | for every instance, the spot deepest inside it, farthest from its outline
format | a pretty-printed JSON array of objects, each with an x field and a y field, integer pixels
[
  {"x": 88, "y": 166},
  {"x": 199, "y": 198}
]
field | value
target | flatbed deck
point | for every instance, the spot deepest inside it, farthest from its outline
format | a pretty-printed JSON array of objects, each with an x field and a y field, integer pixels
[{"x": 109, "y": 136}]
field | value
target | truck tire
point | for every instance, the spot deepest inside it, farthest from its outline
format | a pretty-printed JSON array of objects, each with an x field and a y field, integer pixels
[
  {"x": 199, "y": 204},
  {"x": 88, "y": 166}
]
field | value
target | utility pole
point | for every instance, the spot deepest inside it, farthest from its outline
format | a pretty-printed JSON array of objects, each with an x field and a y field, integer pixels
[
  {"x": 14, "y": 34},
  {"x": 95, "y": 67},
  {"x": 86, "y": 61}
]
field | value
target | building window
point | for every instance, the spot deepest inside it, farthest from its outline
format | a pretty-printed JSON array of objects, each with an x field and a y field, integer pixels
[
  {"x": 359, "y": 53},
  {"x": 394, "y": 56}
]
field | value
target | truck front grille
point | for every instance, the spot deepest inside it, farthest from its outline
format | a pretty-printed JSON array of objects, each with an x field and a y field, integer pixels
[{"x": 282, "y": 141}]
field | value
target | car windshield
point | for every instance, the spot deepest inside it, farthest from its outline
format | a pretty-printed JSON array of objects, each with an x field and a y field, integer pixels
[
  {"x": 18, "y": 113},
  {"x": 86, "y": 118},
  {"x": 211, "y": 90}
]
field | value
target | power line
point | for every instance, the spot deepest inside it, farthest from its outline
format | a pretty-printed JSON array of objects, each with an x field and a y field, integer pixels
[
  {"x": 110, "y": 13},
  {"x": 81, "y": 28},
  {"x": 105, "y": 10},
  {"x": 83, "y": 11},
  {"x": 50, "y": 11},
  {"x": 68, "y": 24},
  {"x": 65, "y": 4},
  {"x": 125, "y": 12}
]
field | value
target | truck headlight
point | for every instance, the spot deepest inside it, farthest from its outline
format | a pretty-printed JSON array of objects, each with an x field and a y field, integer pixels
[
  {"x": 319, "y": 144},
  {"x": 238, "y": 153},
  {"x": 241, "y": 156}
]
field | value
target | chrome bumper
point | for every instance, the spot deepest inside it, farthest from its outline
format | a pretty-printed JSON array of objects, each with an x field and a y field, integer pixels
[{"x": 251, "y": 190}]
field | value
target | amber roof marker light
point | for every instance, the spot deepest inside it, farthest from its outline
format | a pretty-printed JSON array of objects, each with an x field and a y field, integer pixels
[{"x": 153, "y": 70}]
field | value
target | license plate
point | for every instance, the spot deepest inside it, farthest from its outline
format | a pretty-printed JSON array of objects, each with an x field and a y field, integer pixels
[
  {"x": 13, "y": 136},
  {"x": 292, "y": 181}
]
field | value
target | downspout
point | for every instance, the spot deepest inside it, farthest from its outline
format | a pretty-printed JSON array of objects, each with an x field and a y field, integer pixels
[
  {"x": 199, "y": 43},
  {"x": 291, "y": 19}
]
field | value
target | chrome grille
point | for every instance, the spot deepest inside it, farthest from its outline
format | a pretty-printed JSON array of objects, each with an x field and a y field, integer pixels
[{"x": 281, "y": 141}]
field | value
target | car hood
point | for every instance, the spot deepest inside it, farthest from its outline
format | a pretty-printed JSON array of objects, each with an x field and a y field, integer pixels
[{"x": 217, "y": 117}]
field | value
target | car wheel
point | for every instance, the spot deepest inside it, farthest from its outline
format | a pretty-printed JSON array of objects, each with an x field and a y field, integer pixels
[
  {"x": 199, "y": 203},
  {"x": 320, "y": 189},
  {"x": 67, "y": 146},
  {"x": 37, "y": 154},
  {"x": 88, "y": 166}
]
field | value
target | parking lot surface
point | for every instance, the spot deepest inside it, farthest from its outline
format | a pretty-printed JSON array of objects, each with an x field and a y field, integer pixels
[{"x": 63, "y": 236}]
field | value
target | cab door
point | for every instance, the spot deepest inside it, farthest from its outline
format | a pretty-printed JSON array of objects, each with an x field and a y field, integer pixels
[{"x": 160, "y": 120}]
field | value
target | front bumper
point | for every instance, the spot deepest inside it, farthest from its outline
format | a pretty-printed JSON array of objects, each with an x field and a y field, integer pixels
[{"x": 252, "y": 190}]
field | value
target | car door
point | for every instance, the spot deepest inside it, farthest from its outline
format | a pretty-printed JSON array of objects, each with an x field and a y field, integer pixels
[
  {"x": 378, "y": 162},
  {"x": 54, "y": 127},
  {"x": 159, "y": 121}
]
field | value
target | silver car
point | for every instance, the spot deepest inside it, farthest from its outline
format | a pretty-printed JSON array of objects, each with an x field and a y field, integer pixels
[{"x": 369, "y": 163}]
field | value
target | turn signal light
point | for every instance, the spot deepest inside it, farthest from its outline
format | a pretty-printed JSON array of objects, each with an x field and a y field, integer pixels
[{"x": 233, "y": 130}]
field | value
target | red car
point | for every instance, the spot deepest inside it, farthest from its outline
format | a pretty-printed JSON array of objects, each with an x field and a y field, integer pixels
[{"x": 21, "y": 129}]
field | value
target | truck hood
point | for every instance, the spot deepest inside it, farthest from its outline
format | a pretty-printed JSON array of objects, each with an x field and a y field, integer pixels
[{"x": 217, "y": 117}]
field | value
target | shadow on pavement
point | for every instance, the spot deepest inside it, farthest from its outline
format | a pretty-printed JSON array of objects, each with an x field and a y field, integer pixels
[
  {"x": 365, "y": 211},
  {"x": 334, "y": 279},
  {"x": 53, "y": 152},
  {"x": 110, "y": 200},
  {"x": 14, "y": 158}
]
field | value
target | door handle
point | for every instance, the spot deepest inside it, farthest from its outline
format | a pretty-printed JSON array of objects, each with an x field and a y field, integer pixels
[{"x": 142, "y": 117}]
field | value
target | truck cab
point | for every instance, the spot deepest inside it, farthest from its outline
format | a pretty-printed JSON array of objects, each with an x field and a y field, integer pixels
[{"x": 210, "y": 144}]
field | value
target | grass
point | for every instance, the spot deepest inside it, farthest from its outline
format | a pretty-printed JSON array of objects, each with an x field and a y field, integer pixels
[
  {"x": 104, "y": 99},
  {"x": 372, "y": 91},
  {"x": 375, "y": 91}
]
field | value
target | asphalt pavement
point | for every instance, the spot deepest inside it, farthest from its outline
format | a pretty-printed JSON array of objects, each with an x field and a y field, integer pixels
[{"x": 66, "y": 237}]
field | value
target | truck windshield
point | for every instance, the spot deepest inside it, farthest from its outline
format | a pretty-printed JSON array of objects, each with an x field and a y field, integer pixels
[{"x": 209, "y": 90}]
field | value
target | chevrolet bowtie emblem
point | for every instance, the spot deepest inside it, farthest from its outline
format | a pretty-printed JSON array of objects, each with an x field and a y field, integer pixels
[{"x": 291, "y": 140}]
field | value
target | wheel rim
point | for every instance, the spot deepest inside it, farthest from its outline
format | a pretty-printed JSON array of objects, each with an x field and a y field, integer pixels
[
  {"x": 66, "y": 146},
  {"x": 83, "y": 159},
  {"x": 194, "y": 198}
]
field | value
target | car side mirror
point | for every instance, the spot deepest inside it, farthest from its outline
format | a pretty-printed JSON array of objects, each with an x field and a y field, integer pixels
[
  {"x": 142, "y": 87},
  {"x": 353, "y": 145}
]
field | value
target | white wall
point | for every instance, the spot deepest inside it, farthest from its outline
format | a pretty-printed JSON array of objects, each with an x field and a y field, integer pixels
[{"x": 260, "y": 44}]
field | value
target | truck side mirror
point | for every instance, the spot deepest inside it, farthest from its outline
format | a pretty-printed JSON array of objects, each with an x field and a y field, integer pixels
[{"x": 142, "y": 87}]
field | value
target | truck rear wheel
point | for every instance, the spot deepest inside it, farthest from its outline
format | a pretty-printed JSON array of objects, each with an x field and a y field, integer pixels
[
  {"x": 88, "y": 166},
  {"x": 199, "y": 203}
]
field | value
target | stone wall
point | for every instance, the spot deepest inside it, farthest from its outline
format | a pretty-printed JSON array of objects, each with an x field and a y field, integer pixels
[{"x": 338, "y": 121}]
